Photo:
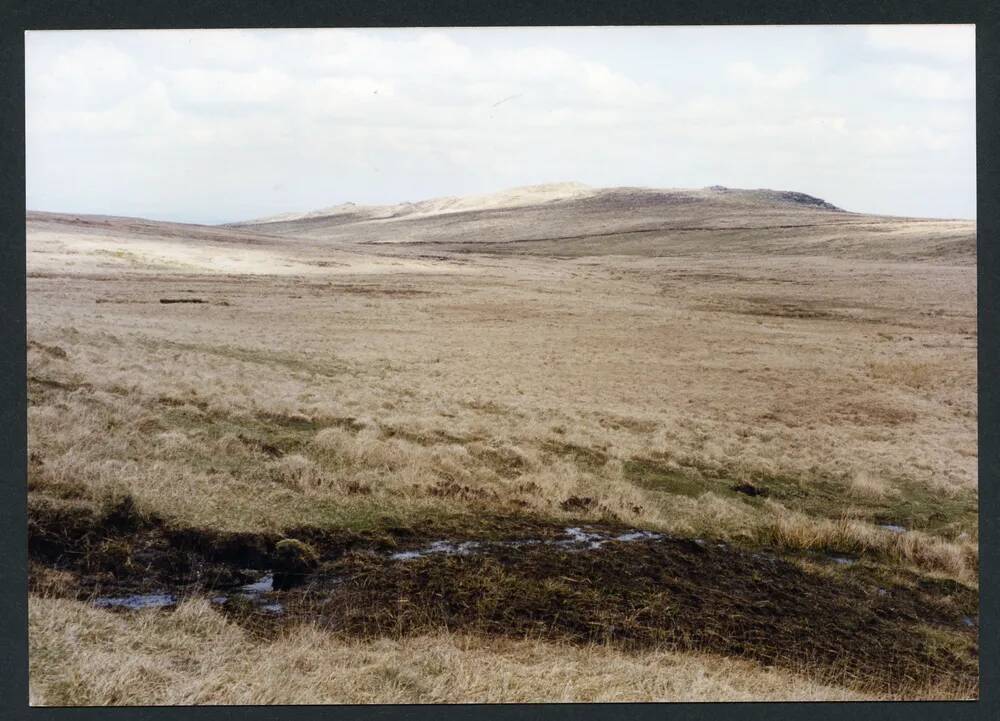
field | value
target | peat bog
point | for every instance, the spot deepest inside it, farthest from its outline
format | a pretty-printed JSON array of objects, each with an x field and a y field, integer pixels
[{"x": 525, "y": 578}]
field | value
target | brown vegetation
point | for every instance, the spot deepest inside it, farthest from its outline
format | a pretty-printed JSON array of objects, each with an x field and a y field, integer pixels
[{"x": 789, "y": 380}]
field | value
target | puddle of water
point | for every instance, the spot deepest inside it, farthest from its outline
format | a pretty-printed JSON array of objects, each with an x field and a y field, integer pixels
[
  {"x": 135, "y": 603},
  {"x": 406, "y": 555},
  {"x": 638, "y": 536},
  {"x": 574, "y": 537},
  {"x": 462, "y": 549},
  {"x": 578, "y": 536},
  {"x": 443, "y": 547},
  {"x": 892, "y": 528},
  {"x": 264, "y": 585},
  {"x": 253, "y": 592},
  {"x": 841, "y": 560}
]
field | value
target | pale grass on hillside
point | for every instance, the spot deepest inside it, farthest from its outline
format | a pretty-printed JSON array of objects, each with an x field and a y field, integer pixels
[{"x": 83, "y": 656}]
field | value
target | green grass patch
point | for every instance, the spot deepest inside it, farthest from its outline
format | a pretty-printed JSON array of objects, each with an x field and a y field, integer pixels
[
  {"x": 654, "y": 475},
  {"x": 590, "y": 459},
  {"x": 921, "y": 508},
  {"x": 912, "y": 505}
]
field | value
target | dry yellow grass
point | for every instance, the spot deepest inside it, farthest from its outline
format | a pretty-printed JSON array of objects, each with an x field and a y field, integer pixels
[
  {"x": 194, "y": 656},
  {"x": 537, "y": 390},
  {"x": 956, "y": 559}
]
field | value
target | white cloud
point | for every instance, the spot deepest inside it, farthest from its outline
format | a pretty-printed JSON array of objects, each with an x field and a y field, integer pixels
[
  {"x": 920, "y": 81},
  {"x": 208, "y": 87},
  {"x": 90, "y": 74},
  {"x": 944, "y": 42},
  {"x": 786, "y": 78},
  {"x": 902, "y": 138},
  {"x": 149, "y": 110}
]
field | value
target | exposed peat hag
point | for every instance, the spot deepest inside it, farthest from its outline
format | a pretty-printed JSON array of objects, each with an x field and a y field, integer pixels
[{"x": 583, "y": 584}]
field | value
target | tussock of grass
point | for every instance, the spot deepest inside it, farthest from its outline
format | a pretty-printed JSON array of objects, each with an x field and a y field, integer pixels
[{"x": 957, "y": 559}]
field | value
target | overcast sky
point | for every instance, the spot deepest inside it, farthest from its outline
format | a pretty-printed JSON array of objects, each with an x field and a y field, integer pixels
[{"x": 212, "y": 126}]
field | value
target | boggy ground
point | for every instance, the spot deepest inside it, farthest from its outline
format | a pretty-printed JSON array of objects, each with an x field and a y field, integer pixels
[
  {"x": 522, "y": 578},
  {"x": 798, "y": 394}
]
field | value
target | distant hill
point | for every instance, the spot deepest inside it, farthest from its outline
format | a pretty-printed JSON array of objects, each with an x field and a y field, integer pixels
[
  {"x": 572, "y": 220},
  {"x": 562, "y": 220},
  {"x": 516, "y": 197},
  {"x": 553, "y": 199}
]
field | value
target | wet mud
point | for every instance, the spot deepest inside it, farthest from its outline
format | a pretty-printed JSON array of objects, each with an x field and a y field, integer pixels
[{"x": 523, "y": 578}]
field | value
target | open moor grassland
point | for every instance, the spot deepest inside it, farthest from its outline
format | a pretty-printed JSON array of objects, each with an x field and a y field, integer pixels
[{"x": 809, "y": 394}]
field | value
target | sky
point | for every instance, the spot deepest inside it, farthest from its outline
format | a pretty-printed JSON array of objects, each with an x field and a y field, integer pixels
[{"x": 211, "y": 126}]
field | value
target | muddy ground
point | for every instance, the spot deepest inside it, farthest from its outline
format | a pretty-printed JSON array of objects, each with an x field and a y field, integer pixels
[{"x": 524, "y": 578}]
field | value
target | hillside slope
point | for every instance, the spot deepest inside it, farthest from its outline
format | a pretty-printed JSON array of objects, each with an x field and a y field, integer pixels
[
  {"x": 565, "y": 220},
  {"x": 92, "y": 244},
  {"x": 572, "y": 220}
]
